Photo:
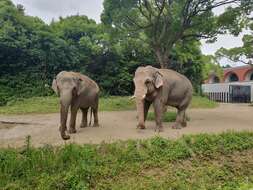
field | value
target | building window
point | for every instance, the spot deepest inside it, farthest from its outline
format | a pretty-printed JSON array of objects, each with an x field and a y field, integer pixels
[
  {"x": 251, "y": 76},
  {"x": 214, "y": 79},
  {"x": 232, "y": 77}
]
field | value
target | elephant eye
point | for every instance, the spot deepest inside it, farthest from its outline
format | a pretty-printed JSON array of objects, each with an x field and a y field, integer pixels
[
  {"x": 147, "y": 81},
  {"x": 78, "y": 79}
]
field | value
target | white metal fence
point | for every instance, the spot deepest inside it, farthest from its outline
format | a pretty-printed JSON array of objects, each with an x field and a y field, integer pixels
[{"x": 222, "y": 91}]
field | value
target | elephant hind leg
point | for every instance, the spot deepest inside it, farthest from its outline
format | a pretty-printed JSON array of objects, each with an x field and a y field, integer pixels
[
  {"x": 180, "y": 120},
  {"x": 95, "y": 115},
  {"x": 184, "y": 121},
  {"x": 95, "y": 112},
  {"x": 84, "y": 117}
]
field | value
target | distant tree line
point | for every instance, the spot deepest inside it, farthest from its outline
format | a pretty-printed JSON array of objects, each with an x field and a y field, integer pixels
[{"x": 33, "y": 52}]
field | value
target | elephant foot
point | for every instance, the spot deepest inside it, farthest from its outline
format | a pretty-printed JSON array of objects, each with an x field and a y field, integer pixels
[
  {"x": 184, "y": 124},
  {"x": 62, "y": 129},
  {"x": 159, "y": 129},
  {"x": 95, "y": 125},
  {"x": 83, "y": 125},
  {"x": 64, "y": 136},
  {"x": 177, "y": 126},
  {"x": 141, "y": 126},
  {"x": 72, "y": 130}
]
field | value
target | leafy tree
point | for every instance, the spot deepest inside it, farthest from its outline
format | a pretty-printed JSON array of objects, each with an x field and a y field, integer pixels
[
  {"x": 167, "y": 22},
  {"x": 210, "y": 67},
  {"x": 242, "y": 54},
  {"x": 30, "y": 53}
]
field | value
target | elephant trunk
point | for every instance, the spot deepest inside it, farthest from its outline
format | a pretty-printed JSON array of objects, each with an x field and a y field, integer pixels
[
  {"x": 65, "y": 99},
  {"x": 140, "y": 112},
  {"x": 140, "y": 95}
]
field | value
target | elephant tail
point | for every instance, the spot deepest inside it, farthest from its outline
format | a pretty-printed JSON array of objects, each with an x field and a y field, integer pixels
[{"x": 91, "y": 111}]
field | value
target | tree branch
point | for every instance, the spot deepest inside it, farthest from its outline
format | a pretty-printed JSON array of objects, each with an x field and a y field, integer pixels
[
  {"x": 139, "y": 26},
  {"x": 196, "y": 36},
  {"x": 249, "y": 62},
  {"x": 148, "y": 17}
]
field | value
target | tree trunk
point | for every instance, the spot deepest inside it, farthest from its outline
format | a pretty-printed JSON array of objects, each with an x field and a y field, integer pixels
[{"x": 162, "y": 58}]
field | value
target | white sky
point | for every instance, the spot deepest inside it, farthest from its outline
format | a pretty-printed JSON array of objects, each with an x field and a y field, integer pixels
[{"x": 49, "y": 9}]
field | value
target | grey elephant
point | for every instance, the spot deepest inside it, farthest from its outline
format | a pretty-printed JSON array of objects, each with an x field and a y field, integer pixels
[
  {"x": 75, "y": 91},
  {"x": 162, "y": 87}
]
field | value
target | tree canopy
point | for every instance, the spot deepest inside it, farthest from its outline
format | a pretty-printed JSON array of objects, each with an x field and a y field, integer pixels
[
  {"x": 167, "y": 22},
  {"x": 242, "y": 54}
]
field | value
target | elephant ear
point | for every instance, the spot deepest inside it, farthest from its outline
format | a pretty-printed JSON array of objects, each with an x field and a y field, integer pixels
[
  {"x": 55, "y": 87},
  {"x": 158, "y": 80},
  {"x": 80, "y": 86}
]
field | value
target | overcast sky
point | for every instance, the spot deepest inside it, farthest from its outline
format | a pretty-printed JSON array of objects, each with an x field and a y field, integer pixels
[{"x": 49, "y": 9}]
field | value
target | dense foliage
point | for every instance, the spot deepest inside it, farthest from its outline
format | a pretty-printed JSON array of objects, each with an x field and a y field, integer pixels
[
  {"x": 222, "y": 162},
  {"x": 211, "y": 66},
  {"x": 32, "y": 53}
]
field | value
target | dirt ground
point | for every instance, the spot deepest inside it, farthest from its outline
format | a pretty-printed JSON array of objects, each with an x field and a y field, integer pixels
[{"x": 121, "y": 125}]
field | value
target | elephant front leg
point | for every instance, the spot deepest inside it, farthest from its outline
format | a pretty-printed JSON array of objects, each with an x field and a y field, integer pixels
[
  {"x": 84, "y": 117},
  {"x": 146, "y": 108},
  {"x": 63, "y": 127},
  {"x": 158, "y": 109},
  {"x": 72, "y": 125}
]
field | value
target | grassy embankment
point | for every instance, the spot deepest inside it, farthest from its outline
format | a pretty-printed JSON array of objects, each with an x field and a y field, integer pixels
[
  {"x": 51, "y": 105},
  {"x": 215, "y": 162}
]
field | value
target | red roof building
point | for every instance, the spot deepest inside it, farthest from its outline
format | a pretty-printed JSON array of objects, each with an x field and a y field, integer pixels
[
  {"x": 233, "y": 74},
  {"x": 236, "y": 85}
]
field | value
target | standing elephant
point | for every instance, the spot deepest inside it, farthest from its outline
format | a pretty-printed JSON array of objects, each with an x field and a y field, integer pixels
[
  {"x": 162, "y": 87},
  {"x": 75, "y": 91}
]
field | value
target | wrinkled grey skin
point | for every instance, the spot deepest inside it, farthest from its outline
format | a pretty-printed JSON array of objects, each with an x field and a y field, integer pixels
[
  {"x": 162, "y": 87},
  {"x": 75, "y": 91}
]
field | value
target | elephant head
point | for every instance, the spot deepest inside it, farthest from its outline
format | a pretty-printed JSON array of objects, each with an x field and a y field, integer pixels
[
  {"x": 147, "y": 80},
  {"x": 67, "y": 85}
]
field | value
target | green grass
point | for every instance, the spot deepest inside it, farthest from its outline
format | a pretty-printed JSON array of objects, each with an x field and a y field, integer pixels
[
  {"x": 169, "y": 116},
  {"x": 211, "y": 162},
  {"x": 51, "y": 105},
  {"x": 202, "y": 102},
  {"x": 31, "y": 105},
  {"x": 116, "y": 103}
]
